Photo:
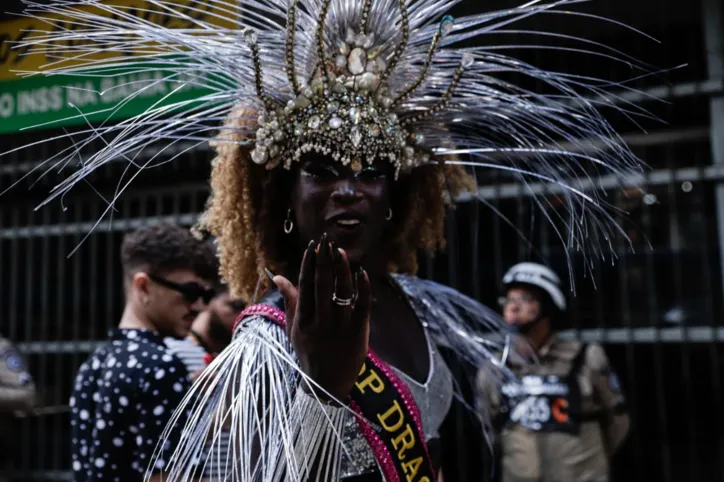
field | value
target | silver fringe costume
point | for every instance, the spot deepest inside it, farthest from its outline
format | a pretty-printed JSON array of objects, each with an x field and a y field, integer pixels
[
  {"x": 358, "y": 80},
  {"x": 251, "y": 388}
]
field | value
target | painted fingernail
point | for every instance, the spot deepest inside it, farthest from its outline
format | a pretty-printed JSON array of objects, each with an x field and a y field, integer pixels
[
  {"x": 269, "y": 274},
  {"x": 311, "y": 244},
  {"x": 325, "y": 244},
  {"x": 335, "y": 251},
  {"x": 322, "y": 242}
]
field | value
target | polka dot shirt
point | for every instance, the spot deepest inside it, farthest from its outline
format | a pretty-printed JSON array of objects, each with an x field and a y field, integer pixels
[{"x": 123, "y": 398}]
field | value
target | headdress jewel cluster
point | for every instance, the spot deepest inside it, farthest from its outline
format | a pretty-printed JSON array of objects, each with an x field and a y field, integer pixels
[{"x": 345, "y": 111}]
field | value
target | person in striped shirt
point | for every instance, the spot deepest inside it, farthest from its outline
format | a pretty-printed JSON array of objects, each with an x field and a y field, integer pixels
[{"x": 210, "y": 333}]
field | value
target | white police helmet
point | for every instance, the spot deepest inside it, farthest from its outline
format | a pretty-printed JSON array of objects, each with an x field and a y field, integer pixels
[{"x": 537, "y": 275}]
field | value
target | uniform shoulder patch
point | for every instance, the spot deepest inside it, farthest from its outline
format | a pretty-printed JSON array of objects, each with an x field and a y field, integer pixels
[
  {"x": 13, "y": 360},
  {"x": 614, "y": 383}
]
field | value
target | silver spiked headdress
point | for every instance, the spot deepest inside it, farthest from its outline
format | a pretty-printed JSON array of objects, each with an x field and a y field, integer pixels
[
  {"x": 347, "y": 109},
  {"x": 357, "y": 80}
]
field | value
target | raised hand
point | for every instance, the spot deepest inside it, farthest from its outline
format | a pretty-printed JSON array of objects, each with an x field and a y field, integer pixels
[{"x": 328, "y": 320}]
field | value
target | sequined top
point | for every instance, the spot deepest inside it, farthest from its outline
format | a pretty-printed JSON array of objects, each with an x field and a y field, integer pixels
[{"x": 433, "y": 398}]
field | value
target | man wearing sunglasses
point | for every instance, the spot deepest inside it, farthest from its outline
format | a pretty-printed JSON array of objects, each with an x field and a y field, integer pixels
[
  {"x": 564, "y": 417},
  {"x": 126, "y": 392},
  {"x": 210, "y": 332}
]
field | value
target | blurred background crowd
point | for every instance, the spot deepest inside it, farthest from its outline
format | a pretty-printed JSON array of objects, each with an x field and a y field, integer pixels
[{"x": 656, "y": 307}]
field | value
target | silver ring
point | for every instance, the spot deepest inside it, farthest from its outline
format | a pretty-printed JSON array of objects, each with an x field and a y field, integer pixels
[{"x": 342, "y": 301}]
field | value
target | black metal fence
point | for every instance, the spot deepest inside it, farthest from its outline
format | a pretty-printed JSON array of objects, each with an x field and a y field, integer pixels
[{"x": 657, "y": 308}]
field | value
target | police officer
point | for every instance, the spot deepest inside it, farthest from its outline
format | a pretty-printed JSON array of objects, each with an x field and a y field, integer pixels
[
  {"x": 17, "y": 395},
  {"x": 17, "y": 390},
  {"x": 563, "y": 417}
]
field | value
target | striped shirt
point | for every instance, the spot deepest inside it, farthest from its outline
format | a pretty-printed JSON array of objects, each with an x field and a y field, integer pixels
[
  {"x": 192, "y": 355},
  {"x": 188, "y": 351}
]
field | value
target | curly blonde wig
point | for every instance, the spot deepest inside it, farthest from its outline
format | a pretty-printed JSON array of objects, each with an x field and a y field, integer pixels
[{"x": 248, "y": 206}]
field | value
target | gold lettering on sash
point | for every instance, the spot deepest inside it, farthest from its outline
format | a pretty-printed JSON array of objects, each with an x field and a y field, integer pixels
[
  {"x": 411, "y": 468},
  {"x": 373, "y": 381},
  {"x": 407, "y": 439},
  {"x": 394, "y": 421},
  {"x": 394, "y": 409}
]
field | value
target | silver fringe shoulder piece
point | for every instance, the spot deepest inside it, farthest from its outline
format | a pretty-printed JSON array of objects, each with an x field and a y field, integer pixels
[
  {"x": 276, "y": 430},
  {"x": 357, "y": 80},
  {"x": 470, "y": 329}
]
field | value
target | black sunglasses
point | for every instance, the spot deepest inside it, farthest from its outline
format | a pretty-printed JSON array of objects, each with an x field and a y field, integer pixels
[{"x": 191, "y": 291}]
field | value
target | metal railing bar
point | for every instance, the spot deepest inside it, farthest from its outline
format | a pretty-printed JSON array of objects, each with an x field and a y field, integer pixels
[
  {"x": 662, "y": 92},
  {"x": 148, "y": 152},
  {"x": 633, "y": 139},
  {"x": 59, "y": 475},
  {"x": 644, "y": 335},
  {"x": 86, "y": 227},
  {"x": 655, "y": 178}
]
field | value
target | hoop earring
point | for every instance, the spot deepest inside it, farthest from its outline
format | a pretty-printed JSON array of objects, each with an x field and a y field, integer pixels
[
  {"x": 288, "y": 224},
  {"x": 389, "y": 214}
]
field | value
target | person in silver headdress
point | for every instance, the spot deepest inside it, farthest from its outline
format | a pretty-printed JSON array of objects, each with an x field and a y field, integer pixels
[{"x": 348, "y": 126}]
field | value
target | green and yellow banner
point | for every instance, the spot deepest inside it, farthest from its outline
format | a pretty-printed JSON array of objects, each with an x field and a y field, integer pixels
[{"x": 42, "y": 101}]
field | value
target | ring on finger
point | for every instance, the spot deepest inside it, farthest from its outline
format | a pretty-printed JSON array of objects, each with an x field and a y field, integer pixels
[{"x": 342, "y": 301}]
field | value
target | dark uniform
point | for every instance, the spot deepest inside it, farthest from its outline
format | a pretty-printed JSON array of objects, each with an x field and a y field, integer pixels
[
  {"x": 17, "y": 390},
  {"x": 17, "y": 394},
  {"x": 562, "y": 420}
]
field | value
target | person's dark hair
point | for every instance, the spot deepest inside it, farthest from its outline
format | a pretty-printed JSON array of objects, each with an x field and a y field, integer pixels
[
  {"x": 221, "y": 287},
  {"x": 164, "y": 247},
  {"x": 549, "y": 309}
]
